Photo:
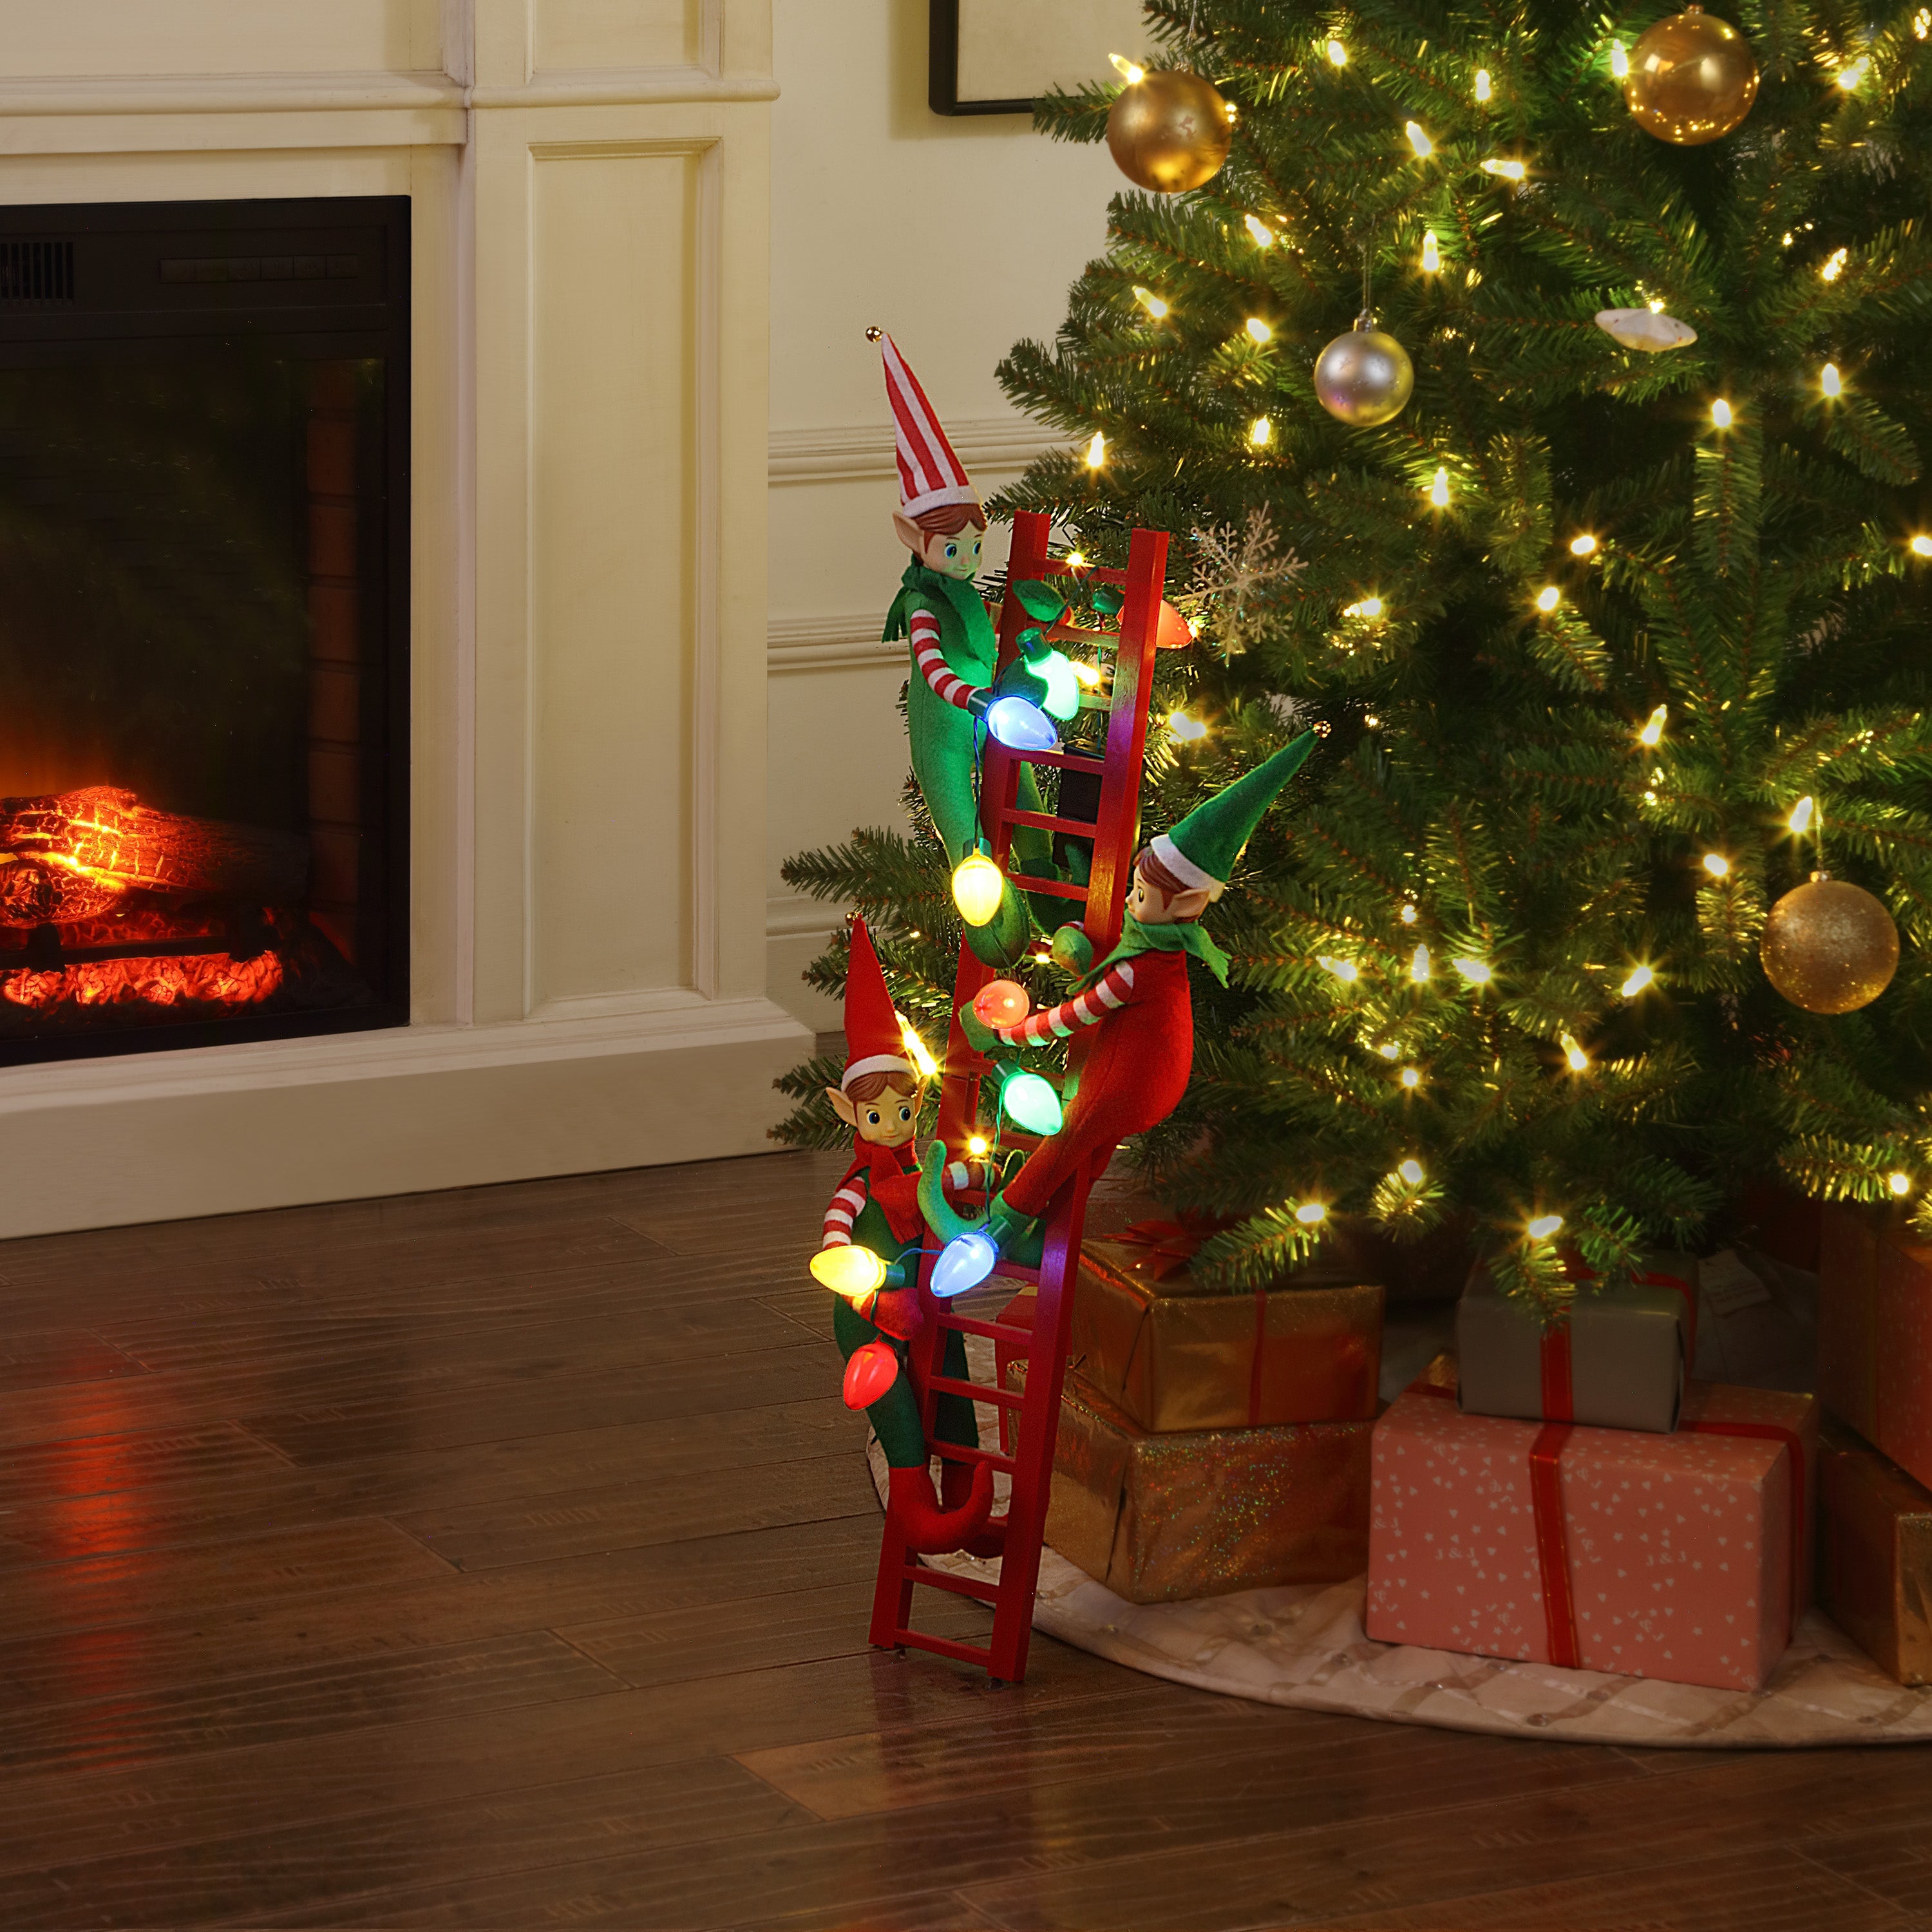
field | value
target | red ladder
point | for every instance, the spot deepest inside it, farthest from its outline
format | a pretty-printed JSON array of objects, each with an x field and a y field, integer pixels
[{"x": 1115, "y": 832}]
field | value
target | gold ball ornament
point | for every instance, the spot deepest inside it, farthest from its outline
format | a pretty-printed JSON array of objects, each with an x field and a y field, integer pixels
[
  {"x": 1829, "y": 946},
  {"x": 1169, "y": 132},
  {"x": 1365, "y": 377},
  {"x": 1692, "y": 78}
]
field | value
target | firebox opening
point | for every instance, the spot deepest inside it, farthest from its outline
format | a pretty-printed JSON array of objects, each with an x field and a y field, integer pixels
[{"x": 203, "y": 623}]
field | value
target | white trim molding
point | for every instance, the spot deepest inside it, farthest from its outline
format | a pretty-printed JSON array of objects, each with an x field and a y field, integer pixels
[
  {"x": 844, "y": 454},
  {"x": 830, "y": 643}
]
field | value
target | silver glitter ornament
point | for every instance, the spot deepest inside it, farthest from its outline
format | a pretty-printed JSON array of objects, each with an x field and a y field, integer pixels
[{"x": 1365, "y": 377}]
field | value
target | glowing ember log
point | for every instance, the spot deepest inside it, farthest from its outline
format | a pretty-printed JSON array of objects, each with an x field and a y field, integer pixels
[
  {"x": 69, "y": 857},
  {"x": 204, "y": 979}
]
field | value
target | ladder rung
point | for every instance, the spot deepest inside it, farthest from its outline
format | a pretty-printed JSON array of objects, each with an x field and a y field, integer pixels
[
  {"x": 943, "y": 1646},
  {"x": 1045, "y": 821},
  {"x": 994, "y": 1331},
  {"x": 1064, "y": 761},
  {"x": 957, "y": 1452},
  {"x": 1054, "y": 888},
  {"x": 977, "y": 1391},
  {"x": 1012, "y": 1271},
  {"x": 961, "y": 1586}
]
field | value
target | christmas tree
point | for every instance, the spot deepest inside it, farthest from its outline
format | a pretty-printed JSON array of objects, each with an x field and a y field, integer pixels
[{"x": 1615, "y": 633}]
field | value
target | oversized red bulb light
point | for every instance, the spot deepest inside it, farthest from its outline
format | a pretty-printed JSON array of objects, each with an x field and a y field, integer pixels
[
  {"x": 872, "y": 1370},
  {"x": 1001, "y": 1002}
]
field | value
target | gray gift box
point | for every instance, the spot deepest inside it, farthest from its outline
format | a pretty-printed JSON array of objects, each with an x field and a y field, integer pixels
[{"x": 1628, "y": 1350}]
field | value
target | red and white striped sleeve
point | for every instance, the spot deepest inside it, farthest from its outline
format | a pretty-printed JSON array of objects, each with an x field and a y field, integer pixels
[
  {"x": 841, "y": 1212},
  {"x": 962, "y": 1175},
  {"x": 1115, "y": 990},
  {"x": 947, "y": 688}
]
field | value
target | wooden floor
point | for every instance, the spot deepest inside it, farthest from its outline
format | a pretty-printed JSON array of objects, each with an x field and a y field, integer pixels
[{"x": 501, "y": 1559}]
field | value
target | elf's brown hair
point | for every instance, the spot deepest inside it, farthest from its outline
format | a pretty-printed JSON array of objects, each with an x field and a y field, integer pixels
[
  {"x": 868, "y": 1087},
  {"x": 1146, "y": 862},
  {"x": 948, "y": 520}
]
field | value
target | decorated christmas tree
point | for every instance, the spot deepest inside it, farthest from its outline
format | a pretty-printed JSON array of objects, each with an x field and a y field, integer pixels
[{"x": 1534, "y": 396}]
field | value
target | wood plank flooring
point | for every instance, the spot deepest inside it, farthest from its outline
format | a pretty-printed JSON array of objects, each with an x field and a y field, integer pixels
[{"x": 501, "y": 1559}]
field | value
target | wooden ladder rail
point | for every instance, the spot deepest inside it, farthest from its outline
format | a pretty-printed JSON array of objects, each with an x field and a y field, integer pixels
[{"x": 1115, "y": 833}]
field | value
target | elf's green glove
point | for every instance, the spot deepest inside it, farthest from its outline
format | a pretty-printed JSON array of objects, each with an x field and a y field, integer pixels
[
  {"x": 1072, "y": 951},
  {"x": 1018, "y": 680},
  {"x": 979, "y": 1036}
]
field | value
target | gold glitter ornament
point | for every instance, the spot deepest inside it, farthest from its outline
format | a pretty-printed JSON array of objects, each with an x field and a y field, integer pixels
[
  {"x": 1692, "y": 78},
  {"x": 1169, "y": 132},
  {"x": 1365, "y": 377},
  {"x": 1829, "y": 946}
]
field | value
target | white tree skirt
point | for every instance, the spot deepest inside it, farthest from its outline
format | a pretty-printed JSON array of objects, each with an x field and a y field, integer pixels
[{"x": 1304, "y": 1646}]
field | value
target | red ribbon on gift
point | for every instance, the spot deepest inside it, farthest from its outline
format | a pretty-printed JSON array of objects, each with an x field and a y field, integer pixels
[{"x": 1559, "y": 1393}]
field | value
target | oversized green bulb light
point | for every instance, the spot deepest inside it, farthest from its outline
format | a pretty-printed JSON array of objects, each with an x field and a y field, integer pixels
[{"x": 1030, "y": 1103}]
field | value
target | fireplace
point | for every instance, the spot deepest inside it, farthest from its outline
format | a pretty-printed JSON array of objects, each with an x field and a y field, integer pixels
[{"x": 204, "y": 464}]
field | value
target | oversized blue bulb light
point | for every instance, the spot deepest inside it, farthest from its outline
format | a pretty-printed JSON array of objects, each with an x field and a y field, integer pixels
[
  {"x": 964, "y": 1262},
  {"x": 1031, "y": 1102},
  {"x": 1063, "y": 687},
  {"x": 1021, "y": 726}
]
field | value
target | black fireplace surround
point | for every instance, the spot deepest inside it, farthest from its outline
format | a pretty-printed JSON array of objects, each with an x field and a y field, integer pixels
[{"x": 204, "y": 622}]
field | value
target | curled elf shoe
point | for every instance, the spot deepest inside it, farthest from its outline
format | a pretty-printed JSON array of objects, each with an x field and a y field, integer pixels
[
  {"x": 956, "y": 1489},
  {"x": 927, "y": 1528}
]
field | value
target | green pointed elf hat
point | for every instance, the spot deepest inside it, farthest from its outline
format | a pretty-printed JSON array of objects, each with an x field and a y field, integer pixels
[{"x": 1201, "y": 850}]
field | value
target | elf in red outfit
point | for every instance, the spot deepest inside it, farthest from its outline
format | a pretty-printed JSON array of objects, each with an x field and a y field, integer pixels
[
  {"x": 868, "y": 1256},
  {"x": 1137, "y": 1068}
]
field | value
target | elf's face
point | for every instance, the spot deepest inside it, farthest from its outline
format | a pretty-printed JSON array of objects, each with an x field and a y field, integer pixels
[
  {"x": 957, "y": 556},
  {"x": 888, "y": 1121},
  {"x": 1153, "y": 906}
]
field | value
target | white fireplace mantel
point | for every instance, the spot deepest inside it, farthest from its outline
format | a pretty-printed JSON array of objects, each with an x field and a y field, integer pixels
[{"x": 589, "y": 181}]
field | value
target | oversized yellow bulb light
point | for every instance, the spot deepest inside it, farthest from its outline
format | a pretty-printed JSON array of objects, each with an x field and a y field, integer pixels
[
  {"x": 853, "y": 1272},
  {"x": 1544, "y": 1225},
  {"x": 1096, "y": 450},
  {"x": 1830, "y": 381},
  {"x": 1439, "y": 489},
  {"x": 1410, "y": 1171},
  {"x": 1423, "y": 146},
  {"x": 977, "y": 887},
  {"x": 1641, "y": 976},
  {"x": 1258, "y": 330},
  {"x": 1132, "y": 75},
  {"x": 1652, "y": 732},
  {"x": 1580, "y": 1060},
  {"x": 1311, "y": 1213},
  {"x": 1263, "y": 235},
  {"x": 1151, "y": 302},
  {"x": 1800, "y": 820},
  {"x": 1431, "y": 253}
]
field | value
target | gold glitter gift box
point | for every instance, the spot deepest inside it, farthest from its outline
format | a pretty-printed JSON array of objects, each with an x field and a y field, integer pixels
[
  {"x": 1875, "y": 1554},
  {"x": 1173, "y": 1357},
  {"x": 1159, "y": 1517}
]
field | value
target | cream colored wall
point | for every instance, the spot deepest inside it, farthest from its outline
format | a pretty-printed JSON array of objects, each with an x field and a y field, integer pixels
[{"x": 959, "y": 235}]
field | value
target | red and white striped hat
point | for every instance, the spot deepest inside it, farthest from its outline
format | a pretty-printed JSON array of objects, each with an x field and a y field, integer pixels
[{"x": 930, "y": 475}]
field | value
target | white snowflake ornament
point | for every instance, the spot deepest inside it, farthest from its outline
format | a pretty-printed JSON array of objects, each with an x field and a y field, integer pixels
[{"x": 1646, "y": 328}]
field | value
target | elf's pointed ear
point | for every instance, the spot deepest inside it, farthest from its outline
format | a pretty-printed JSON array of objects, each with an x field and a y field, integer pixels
[
  {"x": 910, "y": 534},
  {"x": 1190, "y": 905},
  {"x": 843, "y": 1107}
]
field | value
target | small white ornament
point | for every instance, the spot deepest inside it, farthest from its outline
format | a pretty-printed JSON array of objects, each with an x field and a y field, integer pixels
[{"x": 1645, "y": 329}]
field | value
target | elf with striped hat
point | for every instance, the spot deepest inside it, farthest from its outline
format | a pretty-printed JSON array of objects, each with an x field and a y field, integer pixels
[
  {"x": 869, "y": 1255},
  {"x": 1136, "y": 1000},
  {"x": 955, "y": 648}
]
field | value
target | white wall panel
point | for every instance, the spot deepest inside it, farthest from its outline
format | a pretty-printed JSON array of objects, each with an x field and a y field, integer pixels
[{"x": 620, "y": 34}]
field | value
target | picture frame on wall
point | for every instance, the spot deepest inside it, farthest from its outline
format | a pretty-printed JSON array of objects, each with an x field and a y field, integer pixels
[{"x": 997, "y": 56}]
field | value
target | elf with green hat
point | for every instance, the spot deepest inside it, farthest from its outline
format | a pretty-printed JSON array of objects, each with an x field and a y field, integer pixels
[{"x": 1136, "y": 1069}]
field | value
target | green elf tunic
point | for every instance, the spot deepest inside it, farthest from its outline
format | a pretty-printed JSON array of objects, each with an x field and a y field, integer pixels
[{"x": 942, "y": 735}]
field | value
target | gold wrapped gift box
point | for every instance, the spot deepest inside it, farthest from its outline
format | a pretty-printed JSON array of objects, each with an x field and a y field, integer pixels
[
  {"x": 1159, "y": 1517},
  {"x": 1875, "y": 1556},
  {"x": 1173, "y": 1357}
]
